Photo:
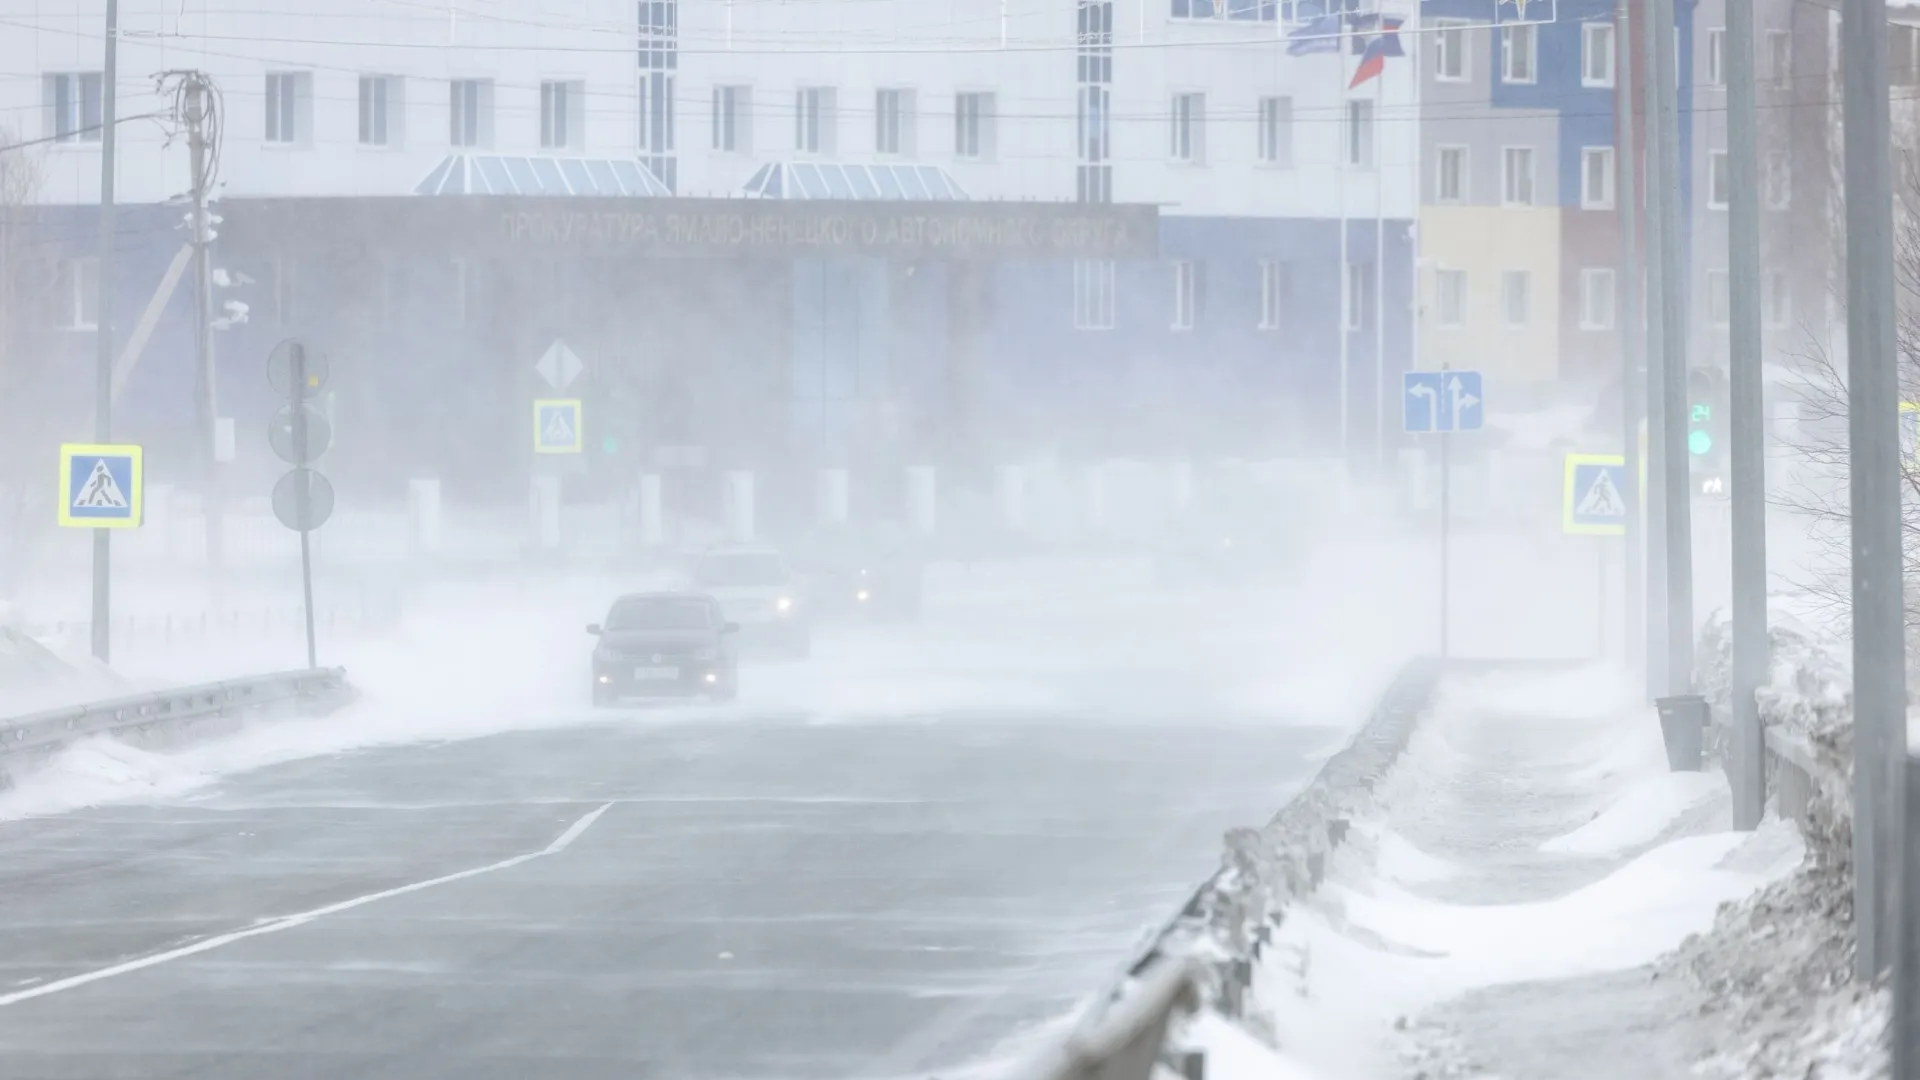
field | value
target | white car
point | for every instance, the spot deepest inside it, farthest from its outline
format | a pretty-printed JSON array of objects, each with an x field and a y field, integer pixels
[{"x": 757, "y": 589}]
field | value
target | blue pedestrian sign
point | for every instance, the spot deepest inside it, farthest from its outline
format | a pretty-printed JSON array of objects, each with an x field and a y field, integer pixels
[
  {"x": 100, "y": 486},
  {"x": 556, "y": 426},
  {"x": 1440, "y": 401},
  {"x": 1593, "y": 501}
]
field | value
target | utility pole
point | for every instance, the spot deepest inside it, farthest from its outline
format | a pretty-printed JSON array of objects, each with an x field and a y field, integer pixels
[
  {"x": 198, "y": 109},
  {"x": 1747, "y": 771},
  {"x": 1675, "y": 490},
  {"x": 103, "y": 320},
  {"x": 1627, "y": 303},
  {"x": 1873, "y": 396},
  {"x": 1653, "y": 222}
]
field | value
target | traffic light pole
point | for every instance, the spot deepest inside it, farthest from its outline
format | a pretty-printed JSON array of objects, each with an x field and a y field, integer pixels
[
  {"x": 1675, "y": 490},
  {"x": 1633, "y": 371},
  {"x": 1657, "y": 301},
  {"x": 1747, "y": 770}
]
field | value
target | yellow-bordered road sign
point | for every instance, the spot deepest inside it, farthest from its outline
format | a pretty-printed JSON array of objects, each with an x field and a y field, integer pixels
[
  {"x": 100, "y": 486},
  {"x": 1591, "y": 500},
  {"x": 556, "y": 426}
]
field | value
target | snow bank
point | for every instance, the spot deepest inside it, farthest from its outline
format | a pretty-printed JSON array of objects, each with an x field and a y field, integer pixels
[{"x": 1646, "y": 812}]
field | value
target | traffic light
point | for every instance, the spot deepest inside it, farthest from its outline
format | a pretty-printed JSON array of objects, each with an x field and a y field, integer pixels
[{"x": 1707, "y": 433}]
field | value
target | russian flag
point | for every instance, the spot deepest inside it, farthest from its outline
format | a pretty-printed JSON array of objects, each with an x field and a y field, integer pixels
[{"x": 1374, "y": 60}]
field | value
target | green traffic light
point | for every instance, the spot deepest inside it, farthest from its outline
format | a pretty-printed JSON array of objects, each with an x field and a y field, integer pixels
[
  {"x": 1699, "y": 442},
  {"x": 609, "y": 445}
]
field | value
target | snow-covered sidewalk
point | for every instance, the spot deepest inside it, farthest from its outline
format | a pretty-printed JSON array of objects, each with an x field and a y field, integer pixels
[{"x": 1505, "y": 912}]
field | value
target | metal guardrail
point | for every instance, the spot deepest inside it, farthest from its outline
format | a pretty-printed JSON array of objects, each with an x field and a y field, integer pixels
[{"x": 316, "y": 690}]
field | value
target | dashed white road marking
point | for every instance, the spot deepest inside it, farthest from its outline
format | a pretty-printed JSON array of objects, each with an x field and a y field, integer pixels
[{"x": 289, "y": 922}]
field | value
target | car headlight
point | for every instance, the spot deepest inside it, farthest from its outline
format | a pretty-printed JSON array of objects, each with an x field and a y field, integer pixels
[
  {"x": 861, "y": 596},
  {"x": 785, "y": 603}
]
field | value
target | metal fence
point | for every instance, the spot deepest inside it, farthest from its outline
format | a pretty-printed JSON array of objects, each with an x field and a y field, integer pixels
[{"x": 169, "y": 715}]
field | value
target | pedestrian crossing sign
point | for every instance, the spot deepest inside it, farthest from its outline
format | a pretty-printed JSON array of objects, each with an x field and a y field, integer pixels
[
  {"x": 1593, "y": 500},
  {"x": 556, "y": 426},
  {"x": 100, "y": 486}
]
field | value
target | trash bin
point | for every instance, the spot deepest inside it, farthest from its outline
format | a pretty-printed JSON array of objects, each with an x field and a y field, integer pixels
[{"x": 1683, "y": 726}]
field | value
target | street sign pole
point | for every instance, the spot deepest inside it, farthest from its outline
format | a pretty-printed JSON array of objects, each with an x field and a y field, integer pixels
[
  {"x": 1652, "y": 228},
  {"x": 1441, "y": 403},
  {"x": 1633, "y": 372},
  {"x": 302, "y": 494},
  {"x": 1676, "y": 496},
  {"x": 103, "y": 319}
]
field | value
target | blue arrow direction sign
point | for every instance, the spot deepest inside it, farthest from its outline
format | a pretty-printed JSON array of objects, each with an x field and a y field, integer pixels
[
  {"x": 1436, "y": 401},
  {"x": 100, "y": 486},
  {"x": 556, "y": 426},
  {"x": 1593, "y": 500}
]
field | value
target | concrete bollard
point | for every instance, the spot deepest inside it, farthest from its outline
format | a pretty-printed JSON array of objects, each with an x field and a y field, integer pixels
[
  {"x": 653, "y": 531},
  {"x": 423, "y": 516},
  {"x": 545, "y": 512},
  {"x": 739, "y": 507},
  {"x": 832, "y": 497},
  {"x": 1013, "y": 497},
  {"x": 922, "y": 506}
]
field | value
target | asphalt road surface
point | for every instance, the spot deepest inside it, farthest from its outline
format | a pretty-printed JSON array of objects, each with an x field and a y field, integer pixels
[{"x": 750, "y": 898}]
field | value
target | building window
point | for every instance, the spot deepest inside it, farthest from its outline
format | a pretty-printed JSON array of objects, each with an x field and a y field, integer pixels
[
  {"x": 1596, "y": 298},
  {"x": 1716, "y": 57},
  {"x": 1276, "y": 288},
  {"x": 1360, "y": 134},
  {"x": 380, "y": 110},
  {"x": 1903, "y": 55},
  {"x": 1719, "y": 301},
  {"x": 73, "y": 106},
  {"x": 1517, "y": 53},
  {"x": 1780, "y": 59},
  {"x": 470, "y": 112},
  {"x": 1450, "y": 44},
  {"x": 1516, "y": 298},
  {"x": 1716, "y": 179},
  {"x": 1516, "y": 176},
  {"x": 813, "y": 120},
  {"x": 76, "y": 294},
  {"x": 1093, "y": 294},
  {"x": 1276, "y": 131},
  {"x": 733, "y": 119},
  {"x": 1237, "y": 10},
  {"x": 1450, "y": 174},
  {"x": 1359, "y": 298},
  {"x": 561, "y": 122},
  {"x": 655, "y": 105},
  {"x": 973, "y": 126},
  {"x": 286, "y": 107},
  {"x": 1186, "y": 293},
  {"x": 1779, "y": 181},
  {"x": 893, "y": 122},
  {"x": 1596, "y": 177},
  {"x": 1187, "y": 142},
  {"x": 1450, "y": 298},
  {"x": 1596, "y": 54},
  {"x": 1778, "y": 300}
]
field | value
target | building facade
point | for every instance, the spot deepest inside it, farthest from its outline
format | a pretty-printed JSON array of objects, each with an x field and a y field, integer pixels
[{"x": 877, "y": 231}]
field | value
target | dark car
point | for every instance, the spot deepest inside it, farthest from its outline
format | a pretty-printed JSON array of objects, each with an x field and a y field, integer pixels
[
  {"x": 849, "y": 577},
  {"x": 664, "y": 644}
]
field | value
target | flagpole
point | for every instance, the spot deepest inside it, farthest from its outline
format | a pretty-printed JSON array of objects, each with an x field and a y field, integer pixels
[
  {"x": 1345, "y": 150},
  {"x": 1380, "y": 263}
]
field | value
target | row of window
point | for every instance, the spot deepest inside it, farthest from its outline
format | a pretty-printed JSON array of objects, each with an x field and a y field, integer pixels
[
  {"x": 1452, "y": 178},
  {"x": 1094, "y": 304},
  {"x": 1598, "y": 299}
]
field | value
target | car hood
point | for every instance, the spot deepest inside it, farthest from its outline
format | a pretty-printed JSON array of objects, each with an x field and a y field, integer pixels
[{"x": 659, "y": 640}]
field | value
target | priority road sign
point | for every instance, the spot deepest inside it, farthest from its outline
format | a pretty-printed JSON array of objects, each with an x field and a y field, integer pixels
[
  {"x": 1440, "y": 401},
  {"x": 559, "y": 365},
  {"x": 1592, "y": 502},
  {"x": 556, "y": 426},
  {"x": 100, "y": 486}
]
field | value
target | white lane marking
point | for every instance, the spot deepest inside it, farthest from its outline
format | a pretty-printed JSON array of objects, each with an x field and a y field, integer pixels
[{"x": 289, "y": 922}]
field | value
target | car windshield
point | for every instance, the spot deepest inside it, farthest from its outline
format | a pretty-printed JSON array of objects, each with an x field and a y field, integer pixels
[
  {"x": 742, "y": 569},
  {"x": 660, "y": 613}
]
